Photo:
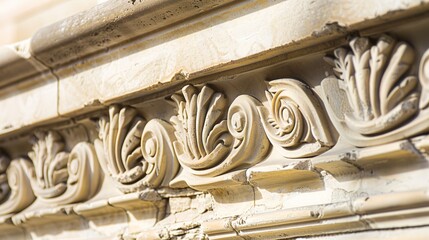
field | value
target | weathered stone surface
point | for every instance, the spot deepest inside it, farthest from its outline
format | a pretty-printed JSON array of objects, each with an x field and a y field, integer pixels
[
  {"x": 218, "y": 120},
  {"x": 190, "y": 52},
  {"x": 24, "y": 105}
]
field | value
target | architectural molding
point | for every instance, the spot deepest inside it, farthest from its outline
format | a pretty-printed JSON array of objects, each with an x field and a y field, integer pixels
[{"x": 318, "y": 134}]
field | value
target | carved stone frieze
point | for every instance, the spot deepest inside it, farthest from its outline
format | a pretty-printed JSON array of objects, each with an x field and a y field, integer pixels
[
  {"x": 63, "y": 177},
  {"x": 215, "y": 119}
]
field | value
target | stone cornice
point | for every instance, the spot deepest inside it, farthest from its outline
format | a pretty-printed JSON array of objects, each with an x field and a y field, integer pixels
[
  {"x": 171, "y": 133},
  {"x": 110, "y": 24},
  {"x": 97, "y": 29}
]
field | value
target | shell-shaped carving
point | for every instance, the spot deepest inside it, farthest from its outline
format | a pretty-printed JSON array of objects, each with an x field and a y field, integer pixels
[
  {"x": 208, "y": 144},
  {"x": 135, "y": 156},
  {"x": 60, "y": 177},
  {"x": 295, "y": 121},
  {"x": 371, "y": 80},
  {"x": 16, "y": 192}
]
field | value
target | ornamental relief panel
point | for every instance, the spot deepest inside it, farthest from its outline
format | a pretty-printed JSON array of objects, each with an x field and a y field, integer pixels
[{"x": 371, "y": 99}]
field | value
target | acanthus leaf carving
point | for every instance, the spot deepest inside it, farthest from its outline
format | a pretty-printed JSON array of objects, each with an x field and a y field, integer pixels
[
  {"x": 295, "y": 121},
  {"x": 63, "y": 177},
  {"x": 371, "y": 99},
  {"x": 208, "y": 144},
  {"x": 134, "y": 153}
]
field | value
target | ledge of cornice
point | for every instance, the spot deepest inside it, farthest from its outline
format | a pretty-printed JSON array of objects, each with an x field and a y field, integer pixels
[{"x": 99, "y": 28}]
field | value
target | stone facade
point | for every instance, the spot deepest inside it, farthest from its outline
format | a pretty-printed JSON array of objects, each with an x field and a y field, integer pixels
[{"x": 219, "y": 119}]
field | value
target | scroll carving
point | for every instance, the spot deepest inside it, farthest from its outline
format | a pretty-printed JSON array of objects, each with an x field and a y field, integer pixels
[
  {"x": 135, "y": 154},
  {"x": 15, "y": 187},
  {"x": 63, "y": 177},
  {"x": 372, "y": 99},
  {"x": 208, "y": 144},
  {"x": 295, "y": 121}
]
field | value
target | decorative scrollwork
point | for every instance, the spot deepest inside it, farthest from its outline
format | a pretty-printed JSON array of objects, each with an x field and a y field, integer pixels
[
  {"x": 295, "y": 120},
  {"x": 371, "y": 94},
  {"x": 15, "y": 187},
  {"x": 61, "y": 177},
  {"x": 209, "y": 145},
  {"x": 135, "y": 156},
  {"x": 157, "y": 150}
]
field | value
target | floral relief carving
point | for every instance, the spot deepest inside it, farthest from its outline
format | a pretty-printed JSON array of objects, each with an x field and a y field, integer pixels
[
  {"x": 295, "y": 121},
  {"x": 63, "y": 177},
  {"x": 15, "y": 187},
  {"x": 134, "y": 153},
  {"x": 213, "y": 139},
  {"x": 371, "y": 98}
]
